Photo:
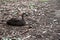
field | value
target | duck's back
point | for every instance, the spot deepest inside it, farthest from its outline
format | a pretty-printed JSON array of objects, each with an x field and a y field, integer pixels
[{"x": 16, "y": 22}]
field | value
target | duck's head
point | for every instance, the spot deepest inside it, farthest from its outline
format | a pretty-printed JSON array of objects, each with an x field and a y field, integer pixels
[{"x": 22, "y": 15}]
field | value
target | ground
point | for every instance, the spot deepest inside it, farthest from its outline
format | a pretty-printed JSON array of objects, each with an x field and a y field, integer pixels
[{"x": 43, "y": 21}]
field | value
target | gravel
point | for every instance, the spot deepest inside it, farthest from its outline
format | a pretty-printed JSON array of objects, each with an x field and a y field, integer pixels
[{"x": 42, "y": 21}]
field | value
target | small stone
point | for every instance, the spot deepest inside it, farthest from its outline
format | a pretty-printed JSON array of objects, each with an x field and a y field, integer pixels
[
  {"x": 10, "y": 16},
  {"x": 40, "y": 25},
  {"x": 44, "y": 31},
  {"x": 47, "y": 38},
  {"x": 43, "y": 14},
  {"x": 55, "y": 20},
  {"x": 47, "y": 26}
]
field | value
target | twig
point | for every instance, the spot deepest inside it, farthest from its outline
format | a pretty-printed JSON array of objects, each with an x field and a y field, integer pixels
[{"x": 26, "y": 37}]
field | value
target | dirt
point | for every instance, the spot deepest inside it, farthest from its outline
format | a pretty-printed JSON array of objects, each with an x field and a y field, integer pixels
[{"x": 43, "y": 21}]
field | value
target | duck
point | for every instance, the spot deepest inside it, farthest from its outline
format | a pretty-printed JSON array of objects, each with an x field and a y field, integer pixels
[{"x": 17, "y": 21}]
